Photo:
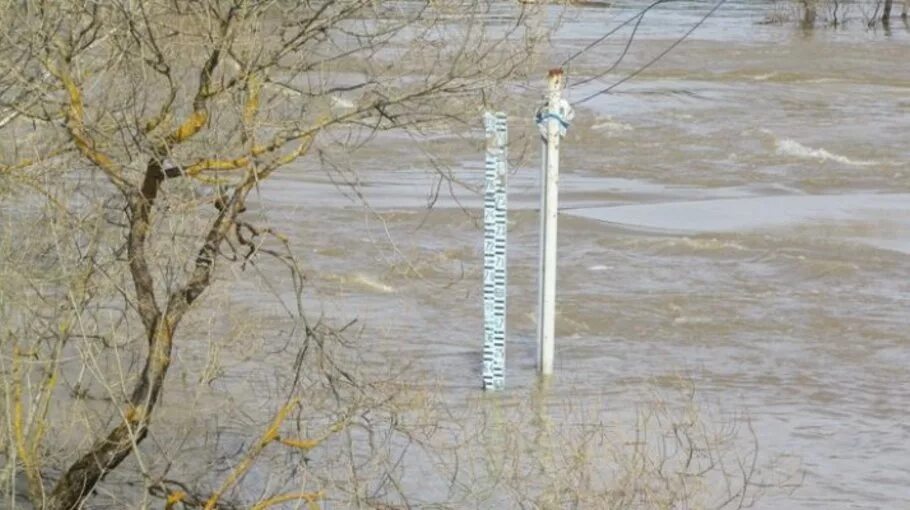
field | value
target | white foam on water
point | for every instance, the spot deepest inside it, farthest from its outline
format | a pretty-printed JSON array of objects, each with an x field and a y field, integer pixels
[
  {"x": 764, "y": 77},
  {"x": 360, "y": 281},
  {"x": 612, "y": 126},
  {"x": 822, "y": 80},
  {"x": 711, "y": 244},
  {"x": 790, "y": 147}
]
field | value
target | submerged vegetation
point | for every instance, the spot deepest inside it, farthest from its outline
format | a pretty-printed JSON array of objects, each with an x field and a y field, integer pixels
[{"x": 838, "y": 13}]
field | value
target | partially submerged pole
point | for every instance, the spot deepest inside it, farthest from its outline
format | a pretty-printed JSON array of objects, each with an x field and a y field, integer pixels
[{"x": 553, "y": 122}]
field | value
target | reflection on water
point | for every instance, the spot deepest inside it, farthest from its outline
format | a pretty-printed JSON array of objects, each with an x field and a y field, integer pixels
[{"x": 755, "y": 193}]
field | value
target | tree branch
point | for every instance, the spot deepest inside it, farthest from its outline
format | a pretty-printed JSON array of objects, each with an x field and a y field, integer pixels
[{"x": 75, "y": 115}]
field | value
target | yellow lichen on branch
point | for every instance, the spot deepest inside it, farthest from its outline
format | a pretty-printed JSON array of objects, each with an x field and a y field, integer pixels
[
  {"x": 18, "y": 411},
  {"x": 173, "y": 498},
  {"x": 303, "y": 444},
  {"x": 192, "y": 125},
  {"x": 197, "y": 120},
  {"x": 25, "y": 163},
  {"x": 309, "y": 444},
  {"x": 242, "y": 162},
  {"x": 293, "y": 155},
  {"x": 134, "y": 414},
  {"x": 26, "y": 433},
  {"x": 75, "y": 114},
  {"x": 251, "y": 107},
  {"x": 310, "y": 497},
  {"x": 270, "y": 435},
  {"x": 15, "y": 171},
  {"x": 217, "y": 164}
]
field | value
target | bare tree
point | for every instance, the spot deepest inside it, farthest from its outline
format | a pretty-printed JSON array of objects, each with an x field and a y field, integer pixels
[
  {"x": 837, "y": 13},
  {"x": 182, "y": 109},
  {"x": 810, "y": 13}
]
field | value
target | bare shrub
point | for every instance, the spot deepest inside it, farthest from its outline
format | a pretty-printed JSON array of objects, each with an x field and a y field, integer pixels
[{"x": 671, "y": 450}]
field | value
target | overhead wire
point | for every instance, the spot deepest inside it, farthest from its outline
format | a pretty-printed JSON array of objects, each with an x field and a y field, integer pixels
[
  {"x": 638, "y": 19},
  {"x": 619, "y": 59}
]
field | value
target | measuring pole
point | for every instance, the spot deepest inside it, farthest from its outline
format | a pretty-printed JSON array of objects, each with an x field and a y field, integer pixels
[
  {"x": 494, "y": 259},
  {"x": 553, "y": 122}
]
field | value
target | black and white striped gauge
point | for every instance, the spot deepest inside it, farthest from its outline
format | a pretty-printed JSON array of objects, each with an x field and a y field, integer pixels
[{"x": 494, "y": 252}]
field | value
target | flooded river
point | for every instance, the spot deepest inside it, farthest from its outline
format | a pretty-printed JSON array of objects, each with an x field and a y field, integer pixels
[{"x": 737, "y": 216}]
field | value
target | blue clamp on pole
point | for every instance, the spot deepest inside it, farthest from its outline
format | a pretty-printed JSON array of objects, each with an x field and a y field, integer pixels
[{"x": 563, "y": 116}]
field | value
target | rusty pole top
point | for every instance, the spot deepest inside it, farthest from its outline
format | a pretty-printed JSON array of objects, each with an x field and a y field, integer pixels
[{"x": 556, "y": 78}]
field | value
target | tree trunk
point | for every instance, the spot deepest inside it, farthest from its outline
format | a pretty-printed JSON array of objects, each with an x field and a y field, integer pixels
[
  {"x": 809, "y": 13},
  {"x": 82, "y": 476}
]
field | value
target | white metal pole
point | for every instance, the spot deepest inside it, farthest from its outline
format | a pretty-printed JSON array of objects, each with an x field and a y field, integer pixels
[{"x": 549, "y": 209}]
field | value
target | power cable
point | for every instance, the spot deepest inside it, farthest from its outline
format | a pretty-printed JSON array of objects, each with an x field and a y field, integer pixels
[
  {"x": 651, "y": 62},
  {"x": 637, "y": 18}
]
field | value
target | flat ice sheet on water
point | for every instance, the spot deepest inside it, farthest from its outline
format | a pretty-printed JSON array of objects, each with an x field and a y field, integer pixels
[{"x": 758, "y": 213}]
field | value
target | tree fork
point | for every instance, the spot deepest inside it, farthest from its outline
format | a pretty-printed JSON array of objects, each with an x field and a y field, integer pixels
[{"x": 106, "y": 454}]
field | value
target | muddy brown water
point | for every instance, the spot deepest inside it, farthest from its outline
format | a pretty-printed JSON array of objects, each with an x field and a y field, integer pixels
[{"x": 739, "y": 215}]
